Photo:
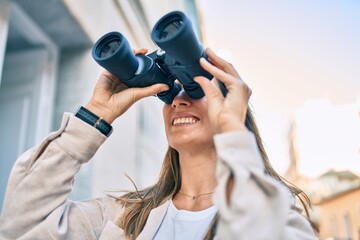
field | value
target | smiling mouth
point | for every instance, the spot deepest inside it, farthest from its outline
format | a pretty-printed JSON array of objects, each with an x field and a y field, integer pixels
[{"x": 184, "y": 120}]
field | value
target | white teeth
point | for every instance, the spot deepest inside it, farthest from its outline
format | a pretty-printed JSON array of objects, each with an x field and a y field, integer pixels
[{"x": 187, "y": 120}]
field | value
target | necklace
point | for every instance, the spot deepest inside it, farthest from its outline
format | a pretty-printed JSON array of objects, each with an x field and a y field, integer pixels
[{"x": 194, "y": 196}]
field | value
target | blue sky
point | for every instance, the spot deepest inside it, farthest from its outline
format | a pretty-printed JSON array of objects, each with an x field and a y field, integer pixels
[{"x": 296, "y": 55}]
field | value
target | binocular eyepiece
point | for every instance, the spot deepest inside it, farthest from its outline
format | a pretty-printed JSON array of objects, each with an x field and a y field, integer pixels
[{"x": 177, "y": 58}]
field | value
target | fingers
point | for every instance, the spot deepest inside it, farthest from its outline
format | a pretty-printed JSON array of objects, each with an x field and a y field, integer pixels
[
  {"x": 207, "y": 86},
  {"x": 224, "y": 77},
  {"x": 225, "y": 72},
  {"x": 152, "y": 90},
  {"x": 221, "y": 63},
  {"x": 140, "y": 51}
]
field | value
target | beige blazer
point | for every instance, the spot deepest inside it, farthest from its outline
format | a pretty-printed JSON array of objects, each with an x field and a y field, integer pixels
[{"x": 36, "y": 204}]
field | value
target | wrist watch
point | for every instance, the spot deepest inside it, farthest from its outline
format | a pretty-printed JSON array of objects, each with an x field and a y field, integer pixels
[{"x": 94, "y": 120}]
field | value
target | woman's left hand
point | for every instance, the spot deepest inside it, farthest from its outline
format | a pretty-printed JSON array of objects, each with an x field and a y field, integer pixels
[{"x": 225, "y": 113}]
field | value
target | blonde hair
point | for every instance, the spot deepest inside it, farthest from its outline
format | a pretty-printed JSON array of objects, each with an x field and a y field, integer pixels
[{"x": 138, "y": 204}]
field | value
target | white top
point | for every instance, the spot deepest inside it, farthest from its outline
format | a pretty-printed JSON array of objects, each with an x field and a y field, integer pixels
[{"x": 182, "y": 224}]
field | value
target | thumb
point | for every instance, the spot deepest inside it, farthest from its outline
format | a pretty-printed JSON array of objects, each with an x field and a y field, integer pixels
[{"x": 151, "y": 90}]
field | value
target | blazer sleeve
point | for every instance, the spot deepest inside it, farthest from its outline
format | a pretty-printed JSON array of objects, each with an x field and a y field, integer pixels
[
  {"x": 36, "y": 204},
  {"x": 260, "y": 207}
]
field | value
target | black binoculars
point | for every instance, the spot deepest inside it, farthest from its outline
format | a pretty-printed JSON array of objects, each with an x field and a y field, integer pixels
[{"x": 177, "y": 58}]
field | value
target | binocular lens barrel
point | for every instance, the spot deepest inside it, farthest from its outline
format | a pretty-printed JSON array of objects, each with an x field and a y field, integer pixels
[
  {"x": 113, "y": 52},
  {"x": 174, "y": 34},
  {"x": 170, "y": 30},
  {"x": 109, "y": 49}
]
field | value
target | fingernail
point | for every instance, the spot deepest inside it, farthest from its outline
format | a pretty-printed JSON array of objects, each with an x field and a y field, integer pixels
[
  {"x": 165, "y": 88},
  {"x": 204, "y": 60}
]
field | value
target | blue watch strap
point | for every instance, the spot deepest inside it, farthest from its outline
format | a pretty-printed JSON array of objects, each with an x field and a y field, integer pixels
[{"x": 94, "y": 120}]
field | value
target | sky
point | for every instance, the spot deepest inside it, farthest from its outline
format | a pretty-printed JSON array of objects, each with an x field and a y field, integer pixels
[{"x": 302, "y": 61}]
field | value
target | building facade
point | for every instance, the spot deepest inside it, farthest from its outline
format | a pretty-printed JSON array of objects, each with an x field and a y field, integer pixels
[
  {"x": 335, "y": 196},
  {"x": 340, "y": 215},
  {"x": 46, "y": 69}
]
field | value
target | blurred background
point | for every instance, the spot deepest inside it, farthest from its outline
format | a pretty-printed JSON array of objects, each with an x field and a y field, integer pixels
[{"x": 300, "y": 58}]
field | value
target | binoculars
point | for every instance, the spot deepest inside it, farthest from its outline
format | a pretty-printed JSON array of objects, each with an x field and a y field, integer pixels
[{"x": 177, "y": 58}]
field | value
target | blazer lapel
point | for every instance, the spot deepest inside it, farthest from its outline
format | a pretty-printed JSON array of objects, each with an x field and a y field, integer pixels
[{"x": 153, "y": 222}]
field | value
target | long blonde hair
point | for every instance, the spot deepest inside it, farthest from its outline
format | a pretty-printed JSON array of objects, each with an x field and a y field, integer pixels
[{"x": 138, "y": 204}]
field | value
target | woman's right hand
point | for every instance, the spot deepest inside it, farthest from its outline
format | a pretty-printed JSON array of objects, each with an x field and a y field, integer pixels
[{"x": 111, "y": 98}]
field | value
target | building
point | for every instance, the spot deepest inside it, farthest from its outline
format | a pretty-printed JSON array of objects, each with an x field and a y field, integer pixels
[
  {"x": 46, "y": 68},
  {"x": 339, "y": 216},
  {"x": 335, "y": 196}
]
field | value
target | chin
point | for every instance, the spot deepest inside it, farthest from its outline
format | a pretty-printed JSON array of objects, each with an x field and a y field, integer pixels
[{"x": 190, "y": 142}]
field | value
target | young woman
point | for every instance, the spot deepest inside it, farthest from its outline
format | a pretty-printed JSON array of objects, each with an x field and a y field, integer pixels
[{"x": 215, "y": 182}]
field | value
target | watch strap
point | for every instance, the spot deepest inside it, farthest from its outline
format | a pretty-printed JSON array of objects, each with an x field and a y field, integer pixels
[{"x": 94, "y": 120}]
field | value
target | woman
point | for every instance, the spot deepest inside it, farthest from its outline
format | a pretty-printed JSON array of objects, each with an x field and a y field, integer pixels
[{"x": 215, "y": 182}]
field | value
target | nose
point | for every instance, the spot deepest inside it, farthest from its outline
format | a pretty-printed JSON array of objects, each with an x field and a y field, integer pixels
[{"x": 181, "y": 100}]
